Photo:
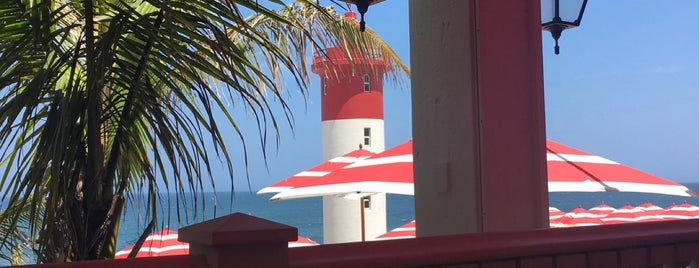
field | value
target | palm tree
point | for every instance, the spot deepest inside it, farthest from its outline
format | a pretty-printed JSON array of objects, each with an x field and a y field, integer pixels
[
  {"x": 19, "y": 241},
  {"x": 103, "y": 99}
]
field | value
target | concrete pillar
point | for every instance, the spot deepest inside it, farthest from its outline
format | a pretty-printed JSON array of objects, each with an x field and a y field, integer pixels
[
  {"x": 478, "y": 116},
  {"x": 240, "y": 240}
]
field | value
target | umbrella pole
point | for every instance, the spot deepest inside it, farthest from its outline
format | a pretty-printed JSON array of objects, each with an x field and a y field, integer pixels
[{"x": 361, "y": 211}]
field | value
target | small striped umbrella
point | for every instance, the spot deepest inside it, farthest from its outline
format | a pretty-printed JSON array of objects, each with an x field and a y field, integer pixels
[
  {"x": 408, "y": 230},
  {"x": 648, "y": 206},
  {"x": 602, "y": 210},
  {"x": 681, "y": 211},
  {"x": 578, "y": 217},
  {"x": 630, "y": 214},
  {"x": 404, "y": 231},
  {"x": 554, "y": 215},
  {"x": 302, "y": 242},
  {"x": 164, "y": 243}
]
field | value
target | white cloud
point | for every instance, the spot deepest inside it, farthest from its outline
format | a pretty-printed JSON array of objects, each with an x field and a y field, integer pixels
[{"x": 666, "y": 69}]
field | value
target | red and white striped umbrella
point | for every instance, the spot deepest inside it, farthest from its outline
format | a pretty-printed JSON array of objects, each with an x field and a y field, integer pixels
[
  {"x": 602, "y": 210},
  {"x": 302, "y": 242},
  {"x": 630, "y": 214},
  {"x": 404, "y": 231},
  {"x": 597, "y": 215},
  {"x": 165, "y": 243},
  {"x": 554, "y": 215},
  {"x": 572, "y": 170},
  {"x": 390, "y": 171},
  {"x": 648, "y": 206},
  {"x": 569, "y": 170},
  {"x": 681, "y": 211},
  {"x": 578, "y": 217},
  {"x": 408, "y": 230},
  {"x": 315, "y": 174}
]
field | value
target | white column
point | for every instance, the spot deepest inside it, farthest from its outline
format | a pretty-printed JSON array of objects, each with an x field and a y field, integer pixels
[
  {"x": 342, "y": 221},
  {"x": 478, "y": 116}
]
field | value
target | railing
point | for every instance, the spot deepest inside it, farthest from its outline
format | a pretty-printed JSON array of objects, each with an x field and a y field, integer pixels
[
  {"x": 652, "y": 244},
  {"x": 186, "y": 261},
  {"x": 339, "y": 53},
  {"x": 239, "y": 240}
]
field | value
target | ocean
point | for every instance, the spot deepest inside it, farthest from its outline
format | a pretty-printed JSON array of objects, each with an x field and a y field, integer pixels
[{"x": 306, "y": 214}]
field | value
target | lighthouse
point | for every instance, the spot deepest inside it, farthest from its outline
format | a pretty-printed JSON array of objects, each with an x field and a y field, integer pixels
[{"x": 352, "y": 117}]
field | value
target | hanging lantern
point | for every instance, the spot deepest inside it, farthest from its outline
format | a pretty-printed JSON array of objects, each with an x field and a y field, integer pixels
[
  {"x": 560, "y": 15},
  {"x": 363, "y": 7}
]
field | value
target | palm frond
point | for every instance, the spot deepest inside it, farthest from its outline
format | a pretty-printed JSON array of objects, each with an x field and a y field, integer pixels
[{"x": 103, "y": 100}]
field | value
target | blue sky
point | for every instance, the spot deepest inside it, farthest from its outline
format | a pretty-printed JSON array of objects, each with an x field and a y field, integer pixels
[{"x": 625, "y": 86}]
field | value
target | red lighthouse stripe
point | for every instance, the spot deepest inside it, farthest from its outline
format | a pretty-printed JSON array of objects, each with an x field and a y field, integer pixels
[
  {"x": 347, "y": 91},
  {"x": 349, "y": 101}
]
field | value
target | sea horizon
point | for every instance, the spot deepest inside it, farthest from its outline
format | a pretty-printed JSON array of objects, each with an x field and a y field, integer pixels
[{"x": 306, "y": 214}]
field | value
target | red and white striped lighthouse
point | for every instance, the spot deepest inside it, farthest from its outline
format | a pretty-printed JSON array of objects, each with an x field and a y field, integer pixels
[{"x": 352, "y": 116}]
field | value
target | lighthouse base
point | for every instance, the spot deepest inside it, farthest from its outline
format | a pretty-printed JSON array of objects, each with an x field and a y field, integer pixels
[{"x": 342, "y": 218}]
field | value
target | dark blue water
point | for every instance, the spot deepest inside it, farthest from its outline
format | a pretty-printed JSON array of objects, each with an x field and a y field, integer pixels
[
  {"x": 569, "y": 201},
  {"x": 306, "y": 214}
]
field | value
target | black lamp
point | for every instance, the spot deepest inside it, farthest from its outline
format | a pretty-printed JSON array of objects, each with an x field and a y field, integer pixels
[
  {"x": 363, "y": 7},
  {"x": 559, "y": 15}
]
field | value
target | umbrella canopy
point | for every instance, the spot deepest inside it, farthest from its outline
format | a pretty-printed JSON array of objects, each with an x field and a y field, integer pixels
[
  {"x": 311, "y": 176},
  {"x": 408, "y": 230},
  {"x": 572, "y": 170},
  {"x": 555, "y": 213},
  {"x": 602, "y": 210},
  {"x": 682, "y": 211},
  {"x": 165, "y": 243},
  {"x": 390, "y": 171},
  {"x": 597, "y": 215},
  {"x": 569, "y": 170},
  {"x": 404, "y": 231},
  {"x": 629, "y": 214},
  {"x": 648, "y": 206},
  {"x": 578, "y": 217},
  {"x": 302, "y": 242}
]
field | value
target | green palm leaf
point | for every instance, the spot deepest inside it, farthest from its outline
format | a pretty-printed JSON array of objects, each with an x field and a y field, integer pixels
[{"x": 101, "y": 100}]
